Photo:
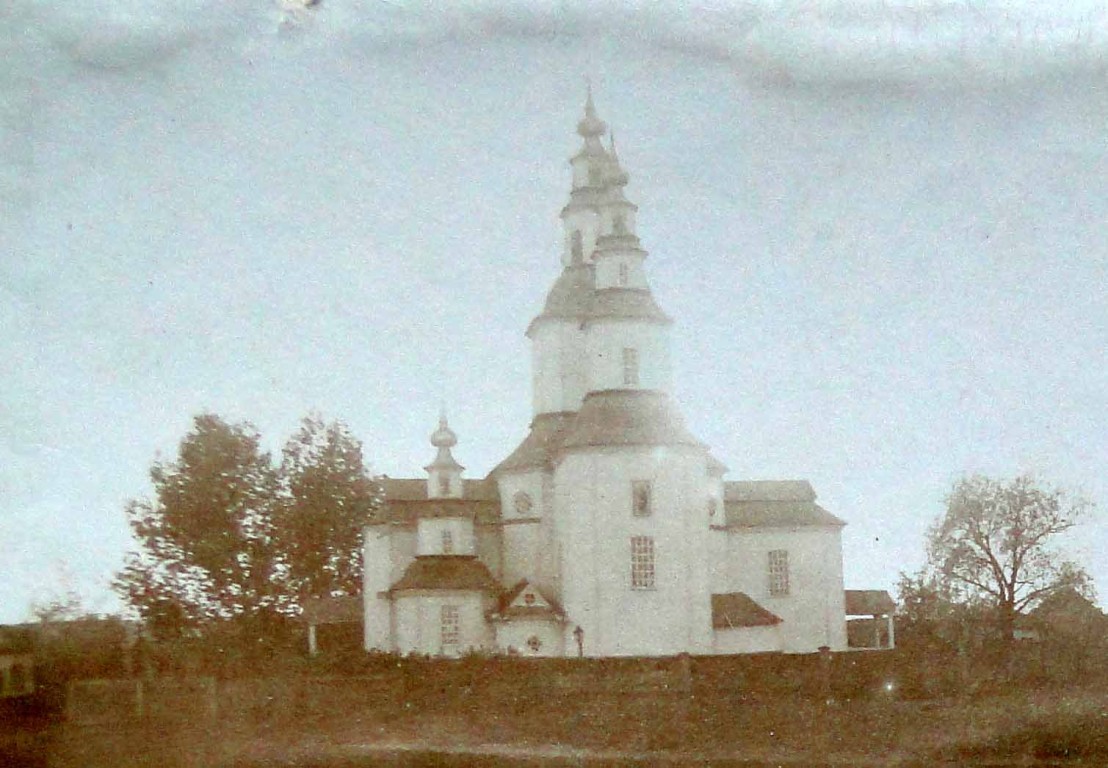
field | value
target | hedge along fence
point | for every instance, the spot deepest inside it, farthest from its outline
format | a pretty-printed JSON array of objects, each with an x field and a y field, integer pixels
[
  {"x": 391, "y": 685},
  {"x": 96, "y": 702}
]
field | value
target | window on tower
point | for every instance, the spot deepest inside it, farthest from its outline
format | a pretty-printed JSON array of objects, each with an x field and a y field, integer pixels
[
  {"x": 779, "y": 572},
  {"x": 642, "y": 562},
  {"x": 577, "y": 247},
  {"x": 447, "y": 541},
  {"x": 640, "y": 498},
  {"x": 444, "y": 485},
  {"x": 630, "y": 367},
  {"x": 624, "y": 274}
]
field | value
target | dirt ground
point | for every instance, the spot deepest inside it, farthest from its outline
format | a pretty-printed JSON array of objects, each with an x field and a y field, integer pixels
[{"x": 1067, "y": 727}]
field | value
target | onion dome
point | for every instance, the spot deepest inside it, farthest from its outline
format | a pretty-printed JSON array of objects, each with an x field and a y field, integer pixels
[
  {"x": 591, "y": 125},
  {"x": 444, "y": 436},
  {"x": 444, "y": 439}
]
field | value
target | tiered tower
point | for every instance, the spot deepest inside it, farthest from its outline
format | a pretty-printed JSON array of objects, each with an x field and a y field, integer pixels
[{"x": 610, "y": 491}]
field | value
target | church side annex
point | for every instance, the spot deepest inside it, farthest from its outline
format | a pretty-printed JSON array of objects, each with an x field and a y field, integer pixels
[{"x": 609, "y": 531}]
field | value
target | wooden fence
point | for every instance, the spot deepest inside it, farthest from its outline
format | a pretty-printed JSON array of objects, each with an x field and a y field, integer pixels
[{"x": 489, "y": 682}]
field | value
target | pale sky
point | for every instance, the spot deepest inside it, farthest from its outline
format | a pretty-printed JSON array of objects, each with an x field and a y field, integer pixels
[{"x": 880, "y": 226}]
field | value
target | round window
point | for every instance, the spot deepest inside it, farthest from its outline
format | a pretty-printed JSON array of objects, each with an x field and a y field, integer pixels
[{"x": 522, "y": 503}]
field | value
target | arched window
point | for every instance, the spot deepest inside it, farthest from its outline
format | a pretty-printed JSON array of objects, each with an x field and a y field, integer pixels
[{"x": 577, "y": 248}]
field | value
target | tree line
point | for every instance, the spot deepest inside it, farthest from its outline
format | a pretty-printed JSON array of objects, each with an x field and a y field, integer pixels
[
  {"x": 232, "y": 537},
  {"x": 995, "y": 555}
]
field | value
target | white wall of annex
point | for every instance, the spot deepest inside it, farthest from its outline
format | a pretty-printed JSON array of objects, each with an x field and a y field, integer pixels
[
  {"x": 747, "y": 640},
  {"x": 512, "y": 637},
  {"x": 813, "y": 611},
  {"x": 419, "y": 622},
  {"x": 376, "y": 574}
]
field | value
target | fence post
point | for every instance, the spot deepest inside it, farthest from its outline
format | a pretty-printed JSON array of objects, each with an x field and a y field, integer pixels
[{"x": 70, "y": 706}]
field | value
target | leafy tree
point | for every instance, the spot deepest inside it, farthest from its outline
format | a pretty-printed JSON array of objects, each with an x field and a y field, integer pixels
[
  {"x": 326, "y": 497},
  {"x": 997, "y": 541},
  {"x": 206, "y": 540}
]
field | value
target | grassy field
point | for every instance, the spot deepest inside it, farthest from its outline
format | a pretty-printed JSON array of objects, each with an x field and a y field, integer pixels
[{"x": 1048, "y": 727}]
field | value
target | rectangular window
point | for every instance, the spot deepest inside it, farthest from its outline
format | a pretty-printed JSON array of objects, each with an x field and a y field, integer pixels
[
  {"x": 447, "y": 542},
  {"x": 642, "y": 562},
  {"x": 778, "y": 572},
  {"x": 450, "y": 622},
  {"x": 630, "y": 367},
  {"x": 640, "y": 498}
]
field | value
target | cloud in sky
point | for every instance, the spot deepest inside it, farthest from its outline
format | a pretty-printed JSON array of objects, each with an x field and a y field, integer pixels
[{"x": 795, "y": 40}]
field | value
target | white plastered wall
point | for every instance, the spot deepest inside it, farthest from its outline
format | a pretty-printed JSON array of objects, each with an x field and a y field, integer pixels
[
  {"x": 430, "y": 535},
  {"x": 604, "y": 347},
  {"x": 558, "y": 366},
  {"x": 813, "y": 611},
  {"x": 513, "y": 636},
  {"x": 748, "y": 640},
  {"x": 419, "y": 621},
  {"x": 377, "y": 571},
  {"x": 595, "y": 525}
]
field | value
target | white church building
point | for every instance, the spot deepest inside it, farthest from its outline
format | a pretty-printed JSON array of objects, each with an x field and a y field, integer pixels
[{"x": 610, "y": 530}]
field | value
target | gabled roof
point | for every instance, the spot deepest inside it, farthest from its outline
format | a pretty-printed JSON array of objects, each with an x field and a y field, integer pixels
[
  {"x": 1067, "y": 604},
  {"x": 769, "y": 490},
  {"x": 735, "y": 610},
  {"x": 774, "y": 504},
  {"x": 509, "y": 606},
  {"x": 331, "y": 610},
  {"x": 447, "y": 572},
  {"x": 628, "y": 417},
  {"x": 548, "y": 432},
  {"x": 868, "y": 602}
]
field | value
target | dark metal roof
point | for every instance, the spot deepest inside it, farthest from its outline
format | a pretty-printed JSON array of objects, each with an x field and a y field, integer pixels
[
  {"x": 414, "y": 489},
  {"x": 452, "y": 572},
  {"x": 774, "y": 504},
  {"x": 571, "y": 295},
  {"x": 735, "y": 610},
  {"x": 626, "y": 304},
  {"x": 868, "y": 602},
  {"x": 407, "y": 511},
  {"x": 331, "y": 610},
  {"x": 628, "y": 417},
  {"x": 769, "y": 490},
  {"x": 406, "y": 501},
  {"x": 538, "y": 449}
]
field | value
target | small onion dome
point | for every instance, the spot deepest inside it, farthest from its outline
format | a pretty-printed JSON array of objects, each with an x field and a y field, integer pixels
[
  {"x": 616, "y": 174},
  {"x": 590, "y": 124},
  {"x": 444, "y": 436}
]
